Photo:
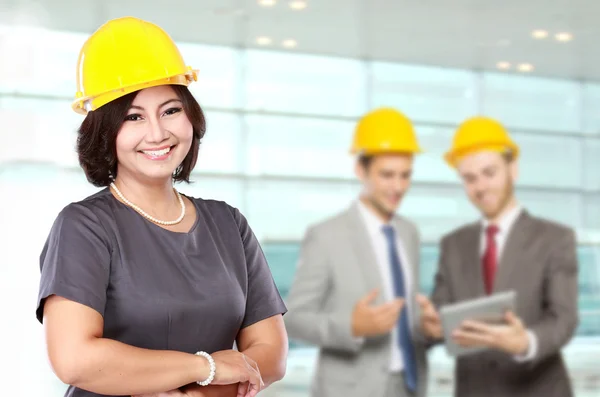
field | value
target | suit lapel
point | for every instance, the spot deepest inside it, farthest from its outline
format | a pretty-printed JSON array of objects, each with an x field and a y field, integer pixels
[
  {"x": 473, "y": 274},
  {"x": 408, "y": 246},
  {"x": 513, "y": 251},
  {"x": 360, "y": 243},
  {"x": 411, "y": 251}
]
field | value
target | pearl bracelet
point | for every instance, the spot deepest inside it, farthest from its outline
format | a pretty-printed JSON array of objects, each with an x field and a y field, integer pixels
[{"x": 213, "y": 369}]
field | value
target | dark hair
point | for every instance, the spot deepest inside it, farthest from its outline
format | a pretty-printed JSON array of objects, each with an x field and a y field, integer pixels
[
  {"x": 97, "y": 135},
  {"x": 365, "y": 161},
  {"x": 509, "y": 156}
]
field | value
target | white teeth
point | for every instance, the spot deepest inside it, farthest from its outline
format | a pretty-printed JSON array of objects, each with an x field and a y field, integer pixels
[{"x": 157, "y": 153}]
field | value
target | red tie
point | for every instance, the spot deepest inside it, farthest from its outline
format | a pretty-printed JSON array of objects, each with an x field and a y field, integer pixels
[{"x": 489, "y": 258}]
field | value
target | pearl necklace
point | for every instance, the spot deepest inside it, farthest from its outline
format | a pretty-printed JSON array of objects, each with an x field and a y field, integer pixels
[{"x": 148, "y": 216}]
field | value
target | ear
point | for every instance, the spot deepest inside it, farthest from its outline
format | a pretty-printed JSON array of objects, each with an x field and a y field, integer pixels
[{"x": 359, "y": 171}]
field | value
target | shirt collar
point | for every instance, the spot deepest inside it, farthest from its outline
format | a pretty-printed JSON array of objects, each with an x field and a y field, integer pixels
[
  {"x": 373, "y": 222},
  {"x": 506, "y": 222}
]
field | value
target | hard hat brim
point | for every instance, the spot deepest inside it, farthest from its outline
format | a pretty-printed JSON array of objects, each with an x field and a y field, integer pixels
[
  {"x": 454, "y": 157},
  {"x": 93, "y": 102}
]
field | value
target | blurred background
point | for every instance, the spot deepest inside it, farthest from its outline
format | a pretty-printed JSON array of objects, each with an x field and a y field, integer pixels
[{"x": 282, "y": 84}]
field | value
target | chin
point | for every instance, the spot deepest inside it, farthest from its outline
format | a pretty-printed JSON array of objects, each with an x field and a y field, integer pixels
[
  {"x": 157, "y": 176},
  {"x": 490, "y": 213},
  {"x": 390, "y": 210},
  {"x": 393, "y": 205}
]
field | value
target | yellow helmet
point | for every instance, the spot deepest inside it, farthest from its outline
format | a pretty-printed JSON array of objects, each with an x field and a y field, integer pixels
[
  {"x": 384, "y": 130},
  {"x": 478, "y": 134},
  {"x": 125, "y": 55}
]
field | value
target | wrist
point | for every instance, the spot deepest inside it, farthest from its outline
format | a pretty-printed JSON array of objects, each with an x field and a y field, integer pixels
[
  {"x": 525, "y": 343},
  {"x": 430, "y": 333},
  {"x": 208, "y": 369},
  {"x": 522, "y": 345}
]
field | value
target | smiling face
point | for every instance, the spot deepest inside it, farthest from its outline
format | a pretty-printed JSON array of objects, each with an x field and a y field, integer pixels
[
  {"x": 489, "y": 178},
  {"x": 155, "y": 137},
  {"x": 385, "y": 178}
]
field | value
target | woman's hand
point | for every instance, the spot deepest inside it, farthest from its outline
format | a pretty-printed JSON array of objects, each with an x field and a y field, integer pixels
[
  {"x": 234, "y": 367},
  {"x": 234, "y": 372}
]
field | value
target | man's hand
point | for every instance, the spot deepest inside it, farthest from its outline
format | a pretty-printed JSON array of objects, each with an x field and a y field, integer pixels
[
  {"x": 368, "y": 320},
  {"x": 510, "y": 337},
  {"x": 431, "y": 325}
]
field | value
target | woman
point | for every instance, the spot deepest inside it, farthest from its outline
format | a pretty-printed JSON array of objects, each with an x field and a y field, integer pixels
[{"x": 144, "y": 290}]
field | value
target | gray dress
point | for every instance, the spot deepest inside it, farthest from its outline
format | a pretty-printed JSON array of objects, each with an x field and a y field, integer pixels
[{"x": 158, "y": 289}]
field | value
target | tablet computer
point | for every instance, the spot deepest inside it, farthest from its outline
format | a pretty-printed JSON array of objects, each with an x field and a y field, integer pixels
[{"x": 490, "y": 309}]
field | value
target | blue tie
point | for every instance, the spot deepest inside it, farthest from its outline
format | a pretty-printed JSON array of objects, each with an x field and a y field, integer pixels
[{"x": 404, "y": 338}]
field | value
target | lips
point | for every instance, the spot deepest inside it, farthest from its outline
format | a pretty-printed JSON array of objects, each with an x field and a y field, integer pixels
[{"x": 156, "y": 153}]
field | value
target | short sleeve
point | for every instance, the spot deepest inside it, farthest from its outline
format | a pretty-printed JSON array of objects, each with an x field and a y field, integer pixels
[
  {"x": 263, "y": 300},
  {"x": 75, "y": 261}
]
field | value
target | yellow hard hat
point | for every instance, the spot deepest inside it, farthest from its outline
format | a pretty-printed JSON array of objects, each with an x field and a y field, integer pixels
[
  {"x": 125, "y": 55},
  {"x": 479, "y": 134},
  {"x": 384, "y": 130}
]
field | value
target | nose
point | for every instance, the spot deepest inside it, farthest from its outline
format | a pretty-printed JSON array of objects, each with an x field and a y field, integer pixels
[
  {"x": 156, "y": 131},
  {"x": 480, "y": 186}
]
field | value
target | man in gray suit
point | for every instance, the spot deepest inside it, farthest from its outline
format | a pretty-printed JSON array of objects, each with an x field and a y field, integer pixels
[
  {"x": 509, "y": 249},
  {"x": 354, "y": 292}
]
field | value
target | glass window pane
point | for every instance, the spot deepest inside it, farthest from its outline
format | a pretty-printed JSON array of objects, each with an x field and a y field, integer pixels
[
  {"x": 532, "y": 103},
  {"x": 428, "y": 266},
  {"x": 437, "y": 210},
  {"x": 424, "y": 93},
  {"x": 282, "y": 210},
  {"x": 218, "y": 74},
  {"x": 40, "y": 192},
  {"x": 46, "y": 131},
  {"x": 591, "y": 163},
  {"x": 304, "y": 84},
  {"x": 430, "y": 165},
  {"x": 550, "y": 160},
  {"x": 592, "y": 214},
  {"x": 589, "y": 290},
  {"x": 220, "y": 149},
  {"x": 282, "y": 258},
  {"x": 565, "y": 208},
  {"x": 591, "y": 104},
  {"x": 39, "y": 61},
  {"x": 207, "y": 187},
  {"x": 299, "y": 146}
]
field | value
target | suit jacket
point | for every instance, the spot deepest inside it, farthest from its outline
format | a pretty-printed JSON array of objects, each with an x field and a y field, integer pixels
[
  {"x": 337, "y": 267},
  {"x": 539, "y": 262}
]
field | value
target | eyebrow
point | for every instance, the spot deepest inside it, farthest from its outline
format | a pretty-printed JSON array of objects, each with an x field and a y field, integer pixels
[{"x": 160, "y": 106}]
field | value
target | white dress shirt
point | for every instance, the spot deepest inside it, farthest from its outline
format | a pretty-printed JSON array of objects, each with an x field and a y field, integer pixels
[
  {"x": 379, "y": 243},
  {"x": 505, "y": 225}
]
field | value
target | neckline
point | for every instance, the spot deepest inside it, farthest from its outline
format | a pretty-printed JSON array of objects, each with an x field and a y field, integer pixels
[{"x": 147, "y": 221}]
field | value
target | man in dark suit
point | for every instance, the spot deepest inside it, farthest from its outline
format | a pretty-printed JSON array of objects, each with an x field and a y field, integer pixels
[{"x": 509, "y": 249}]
